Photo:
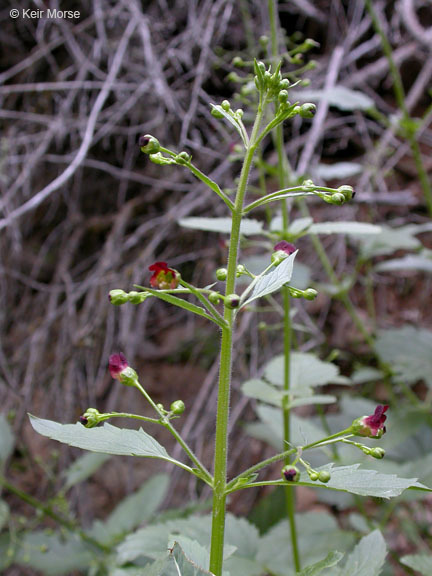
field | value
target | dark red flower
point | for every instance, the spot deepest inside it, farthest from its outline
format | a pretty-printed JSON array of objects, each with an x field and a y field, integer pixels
[
  {"x": 285, "y": 246},
  {"x": 117, "y": 363},
  {"x": 163, "y": 277},
  {"x": 371, "y": 426}
]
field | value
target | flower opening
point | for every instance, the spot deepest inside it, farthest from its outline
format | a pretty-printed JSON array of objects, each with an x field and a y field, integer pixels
[
  {"x": 285, "y": 246},
  {"x": 117, "y": 363},
  {"x": 371, "y": 426},
  {"x": 163, "y": 277}
]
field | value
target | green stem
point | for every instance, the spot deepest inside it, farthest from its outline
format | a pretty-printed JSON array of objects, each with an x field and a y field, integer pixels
[
  {"x": 48, "y": 511},
  {"x": 205, "y": 474},
  {"x": 221, "y": 443}
]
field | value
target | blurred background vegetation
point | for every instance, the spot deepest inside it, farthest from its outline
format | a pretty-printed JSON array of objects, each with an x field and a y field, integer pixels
[{"x": 83, "y": 212}]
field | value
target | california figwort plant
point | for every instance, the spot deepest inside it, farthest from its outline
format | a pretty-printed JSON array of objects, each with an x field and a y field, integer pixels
[{"x": 221, "y": 305}]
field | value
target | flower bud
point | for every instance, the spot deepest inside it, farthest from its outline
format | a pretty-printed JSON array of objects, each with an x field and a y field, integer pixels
[
  {"x": 137, "y": 297},
  {"x": 221, "y": 274},
  {"x": 160, "y": 407},
  {"x": 183, "y": 158},
  {"x": 283, "y": 96},
  {"x": 307, "y": 110},
  {"x": 177, "y": 407},
  {"x": 149, "y": 144},
  {"x": 371, "y": 426},
  {"x": 240, "y": 270},
  {"x": 118, "y": 297},
  {"x": 310, "y": 294},
  {"x": 290, "y": 473},
  {"x": 121, "y": 371},
  {"x": 324, "y": 476},
  {"x": 377, "y": 453},
  {"x": 284, "y": 84},
  {"x": 214, "y": 297},
  {"x": 238, "y": 61},
  {"x": 90, "y": 418},
  {"x": 226, "y": 105},
  {"x": 337, "y": 198},
  {"x": 216, "y": 113},
  {"x": 232, "y": 301},
  {"x": 347, "y": 191},
  {"x": 263, "y": 40},
  {"x": 239, "y": 113},
  {"x": 312, "y": 475}
]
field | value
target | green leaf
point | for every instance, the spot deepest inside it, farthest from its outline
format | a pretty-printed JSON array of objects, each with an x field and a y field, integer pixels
[
  {"x": 356, "y": 480},
  {"x": 183, "y": 565},
  {"x": 338, "y": 96},
  {"x": 7, "y": 440},
  {"x": 417, "y": 263},
  {"x": 306, "y": 371},
  {"x": 273, "y": 280},
  {"x": 248, "y": 227},
  {"x": 317, "y": 533},
  {"x": 107, "y": 439},
  {"x": 388, "y": 241},
  {"x": 367, "y": 558},
  {"x": 407, "y": 350},
  {"x": 133, "y": 510},
  {"x": 260, "y": 390},
  {"x": 54, "y": 556},
  {"x": 420, "y": 562},
  {"x": 349, "y": 228},
  {"x": 329, "y": 561},
  {"x": 231, "y": 120},
  {"x": 338, "y": 170},
  {"x": 84, "y": 467},
  {"x": 297, "y": 227}
]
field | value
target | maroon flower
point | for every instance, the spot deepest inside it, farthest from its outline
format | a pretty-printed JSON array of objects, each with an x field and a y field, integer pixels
[
  {"x": 291, "y": 473},
  {"x": 163, "y": 277},
  {"x": 285, "y": 246},
  {"x": 117, "y": 363},
  {"x": 371, "y": 426}
]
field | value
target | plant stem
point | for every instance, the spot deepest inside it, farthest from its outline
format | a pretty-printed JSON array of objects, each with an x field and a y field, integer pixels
[{"x": 222, "y": 415}]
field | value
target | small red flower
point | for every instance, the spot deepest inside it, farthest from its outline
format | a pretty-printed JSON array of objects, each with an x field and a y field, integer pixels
[
  {"x": 285, "y": 246},
  {"x": 163, "y": 277},
  {"x": 117, "y": 363},
  {"x": 371, "y": 426}
]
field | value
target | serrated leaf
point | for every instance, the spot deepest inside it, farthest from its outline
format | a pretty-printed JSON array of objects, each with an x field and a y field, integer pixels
[
  {"x": 338, "y": 170},
  {"x": 338, "y": 96},
  {"x": 349, "y": 228},
  {"x": 409, "y": 262},
  {"x": 53, "y": 556},
  {"x": 84, "y": 467},
  {"x": 231, "y": 120},
  {"x": 248, "y": 227},
  {"x": 132, "y": 510},
  {"x": 367, "y": 558},
  {"x": 7, "y": 440},
  {"x": 306, "y": 371},
  {"x": 107, "y": 439},
  {"x": 329, "y": 561},
  {"x": 420, "y": 562},
  {"x": 274, "y": 280},
  {"x": 186, "y": 567},
  {"x": 408, "y": 351},
  {"x": 356, "y": 480}
]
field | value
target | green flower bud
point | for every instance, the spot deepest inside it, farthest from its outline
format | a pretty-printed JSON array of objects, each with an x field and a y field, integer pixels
[
  {"x": 283, "y": 96},
  {"x": 261, "y": 67},
  {"x": 263, "y": 40},
  {"x": 377, "y": 452},
  {"x": 337, "y": 199},
  {"x": 284, "y": 84},
  {"x": 226, "y": 105},
  {"x": 161, "y": 160},
  {"x": 177, "y": 407},
  {"x": 238, "y": 61},
  {"x": 324, "y": 476},
  {"x": 221, "y": 274},
  {"x": 216, "y": 113},
  {"x": 290, "y": 473},
  {"x": 214, "y": 297},
  {"x": 307, "y": 110},
  {"x": 138, "y": 297},
  {"x": 183, "y": 158},
  {"x": 233, "y": 77},
  {"x": 90, "y": 418},
  {"x": 240, "y": 270},
  {"x": 118, "y": 297},
  {"x": 160, "y": 407},
  {"x": 312, "y": 475},
  {"x": 232, "y": 301},
  {"x": 310, "y": 294},
  {"x": 239, "y": 113},
  {"x": 347, "y": 191},
  {"x": 149, "y": 144},
  {"x": 128, "y": 377}
]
